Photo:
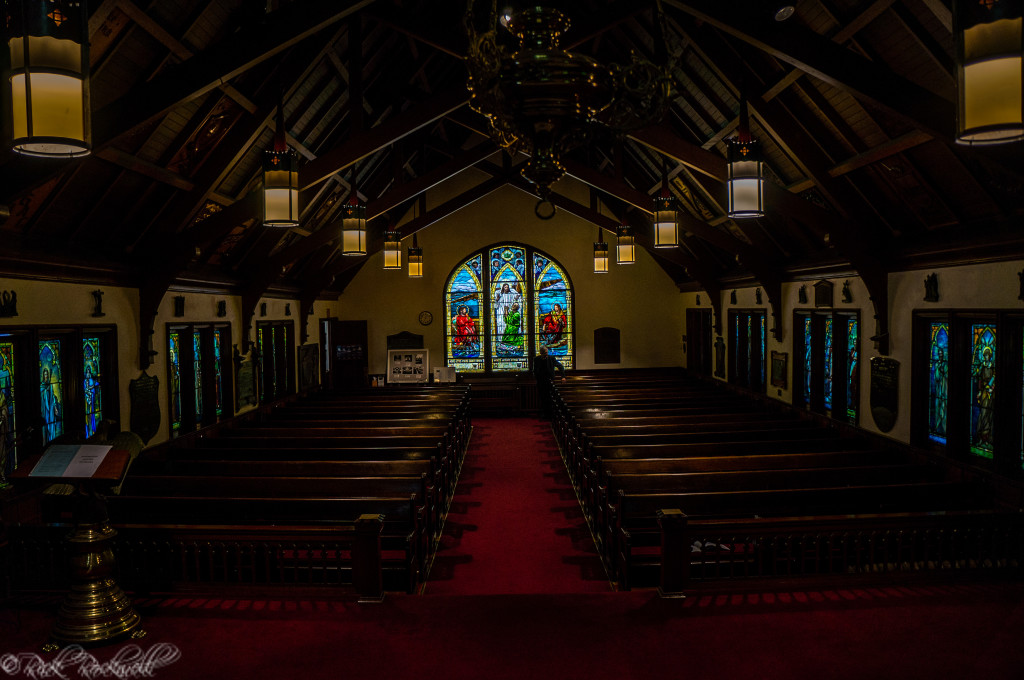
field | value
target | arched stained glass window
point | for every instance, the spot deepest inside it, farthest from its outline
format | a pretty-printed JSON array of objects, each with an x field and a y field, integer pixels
[
  {"x": 983, "y": 383},
  {"x": 51, "y": 389},
  {"x": 502, "y": 304},
  {"x": 92, "y": 384}
]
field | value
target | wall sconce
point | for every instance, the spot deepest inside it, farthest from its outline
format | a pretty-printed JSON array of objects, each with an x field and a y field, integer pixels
[{"x": 49, "y": 79}]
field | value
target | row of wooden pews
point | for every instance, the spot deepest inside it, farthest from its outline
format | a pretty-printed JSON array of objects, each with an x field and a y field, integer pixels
[
  {"x": 321, "y": 480},
  {"x": 683, "y": 481}
]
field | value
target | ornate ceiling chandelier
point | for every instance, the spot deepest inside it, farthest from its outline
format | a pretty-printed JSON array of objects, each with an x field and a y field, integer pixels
[{"x": 545, "y": 101}]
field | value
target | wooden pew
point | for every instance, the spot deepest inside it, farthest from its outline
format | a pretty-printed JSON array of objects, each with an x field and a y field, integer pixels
[{"x": 399, "y": 538}]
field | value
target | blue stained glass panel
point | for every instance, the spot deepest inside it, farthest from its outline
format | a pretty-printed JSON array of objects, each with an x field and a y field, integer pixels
[
  {"x": 8, "y": 422},
  {"x": 750, "y": 347},
  {"x": 92, "y": 384},
  {"x": 938, "y": 381},
  {"x": 828, "y": 364},
  {"x": 218, "y": 378},
  {"x": 174, "y": 350},
  {"x": 197, "y": 367},
  {"x": 852, "y": 370},
  {"x": 764, "y": 346},
  {"x": 51, "y": 389},
  {"x": 807, "y": 360},
  {"x": 983, "y": 382}
]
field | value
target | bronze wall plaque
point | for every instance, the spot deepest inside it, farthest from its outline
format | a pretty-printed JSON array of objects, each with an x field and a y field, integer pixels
[
  {"x": 145, "y": 397},
  {"x": 309, "y": 367},
  {"x": 245, "y": 380},
  {"x": 885, "y": 392}
]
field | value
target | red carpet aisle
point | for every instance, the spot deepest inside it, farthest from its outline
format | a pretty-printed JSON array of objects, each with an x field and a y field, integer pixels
[{"x": 515, "y": 525}]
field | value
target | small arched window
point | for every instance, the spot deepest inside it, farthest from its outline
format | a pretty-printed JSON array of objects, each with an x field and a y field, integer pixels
[{"x": 502, "y": 304}]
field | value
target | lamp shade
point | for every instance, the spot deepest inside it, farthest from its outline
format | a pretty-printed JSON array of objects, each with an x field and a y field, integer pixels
[
  {"x": 280, "y": 187},
  {"x": 625, "y": 248},
  {"x": 49, "y": 79},
  {"x": 746, "y": 180},
  {"x": 392, "y": 249},
  {"x": 353, "y": 227},
  {"x": 666, "y": 221},
  {"x": 990, "y": 79},
  {"x": 415, "y": 259},
  {"x": 600, "y": 254}
]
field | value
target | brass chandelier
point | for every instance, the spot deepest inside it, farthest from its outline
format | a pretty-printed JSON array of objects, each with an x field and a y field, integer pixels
[{"x": 545, "y": 101}]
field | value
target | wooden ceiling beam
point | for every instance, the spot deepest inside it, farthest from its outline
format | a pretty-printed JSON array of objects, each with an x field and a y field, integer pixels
[
  {"x": 824, "y": 59},
  {"x": 381, "y": 136}
]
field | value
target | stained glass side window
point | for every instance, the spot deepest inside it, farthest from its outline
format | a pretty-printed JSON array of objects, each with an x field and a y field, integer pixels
[
  {"x": 218, "y": 379},
  {"x": 261, "y": 348},
  {"x": 750, "y": 347},
  {"x": 174, "y": 350},
  {"x": 92, "y": 384},
  {"x": 553, "y": 305},
  {"x": 938, "y": 382},
  {"x": 197, "y": 368},
  {"x": 828, "y": 364},
  {"x": 51, "y": 389},
  {"x": 508, "y": 309},
  {"x": 764, "y": 346},
  {"x": 983, "y": 382},
  {"x": 852, "y": 369},
  {"x": 807, "y": 360},
  {"x": 464, "y": 307},
  {"x": 8, "y": 423}
]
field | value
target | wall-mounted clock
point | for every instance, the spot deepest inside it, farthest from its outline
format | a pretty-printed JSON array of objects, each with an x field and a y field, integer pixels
[{"x": 426, "y": 318}]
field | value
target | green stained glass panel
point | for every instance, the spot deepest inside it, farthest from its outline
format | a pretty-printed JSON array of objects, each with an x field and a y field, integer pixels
[
  {"x": 51, "y": 391},
  {"x": 92, "y": 384},
  {"x": 982, "y": 392}
]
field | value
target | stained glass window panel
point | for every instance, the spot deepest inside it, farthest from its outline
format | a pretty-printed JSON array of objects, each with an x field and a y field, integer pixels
[
  {"x": 852, "y": 370},
  {"x": 261, "y": 348},
  {"x": 174, "y": 350},
  {"x": 197, "y": 367},
  {"x": 983, "y": 383},
  {"x": 938, "y": 382},
  {"x": 828, "y": 364},
  {"x": 508, "y": 309},
  {"x": 464, "y": 307},
  {"x": 807, "y": 360},
  {"x": 764, "y": 346},
  {"x": 51, "y": 389},
  {"x": 8, "y": 423},
  {"x": 92, "y": 384},
  {"x": 553, "y": 304},
  {"x": 750, "y": 347},
  {"x": 218, "y": 394}
]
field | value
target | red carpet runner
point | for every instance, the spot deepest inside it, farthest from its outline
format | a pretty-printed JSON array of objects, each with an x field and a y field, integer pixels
[{"x": 515, "y": 525}]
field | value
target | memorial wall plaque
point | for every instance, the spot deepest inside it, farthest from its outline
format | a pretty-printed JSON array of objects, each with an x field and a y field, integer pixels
[
  {"x": 145, "y": 415},
  {"x": 885, "y": 392}
]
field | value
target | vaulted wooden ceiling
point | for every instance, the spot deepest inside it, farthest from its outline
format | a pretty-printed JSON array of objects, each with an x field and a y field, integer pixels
[{"x": 851, "y": 99}]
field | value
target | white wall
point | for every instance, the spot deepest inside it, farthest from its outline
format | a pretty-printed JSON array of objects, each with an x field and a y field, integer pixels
[
  {"x": 970, "y": 287},
  {"x": 639, "y": 299}
]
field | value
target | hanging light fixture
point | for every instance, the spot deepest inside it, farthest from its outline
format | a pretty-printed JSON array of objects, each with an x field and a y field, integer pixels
[
  {"x": 989, "y": 48},
  {"x": 666, "y": 218},
  {"x": 746, "y": 171},
  {"x": 280, "y": 180},
  {"x": 49, "y": 78},
  {"x": 415, "y": 260},
  {"x": 353, "y": 226},
  {"x": 392, "y": 249},
  {"x": 625, "y": 249},
  {"x": 600, "y": 253}
]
